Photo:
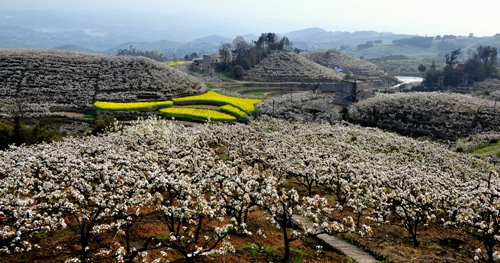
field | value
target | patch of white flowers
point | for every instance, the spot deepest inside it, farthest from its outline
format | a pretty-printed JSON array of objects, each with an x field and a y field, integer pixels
[
  {"x": 196, "y": 180},
  {"x": 439, "y": 115}
]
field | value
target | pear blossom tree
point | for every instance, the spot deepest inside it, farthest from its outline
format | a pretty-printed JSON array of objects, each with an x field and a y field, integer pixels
[
  {"x": 282, "y": 204},
  {"x": 479, "y": 215}
]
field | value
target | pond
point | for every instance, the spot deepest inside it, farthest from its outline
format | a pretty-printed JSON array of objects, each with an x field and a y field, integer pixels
[{"x": 407, "y": 79}]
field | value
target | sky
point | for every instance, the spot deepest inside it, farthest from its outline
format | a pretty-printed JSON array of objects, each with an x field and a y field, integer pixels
[{"x": 417, "y": 17}]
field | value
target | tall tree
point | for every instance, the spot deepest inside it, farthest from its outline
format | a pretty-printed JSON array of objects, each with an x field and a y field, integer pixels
[
  {"x": 240, "y": 47},
  {"x": 422, "y": 69},
  {"x": 488, "y": 57}
]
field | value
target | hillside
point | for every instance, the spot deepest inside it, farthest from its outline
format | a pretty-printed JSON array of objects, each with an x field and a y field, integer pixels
[
  {"x": 441, "y": 116},
  {"x": 333, "y": 58},
  {"x": 318, "y": 38},
  {"x": 436, "y": 51},
  {"x": 288, "y": 66},
  {"x": 37, "y": 82},
  {"x": 400, "y": 65},
  {"x": 480, "y": 89}
]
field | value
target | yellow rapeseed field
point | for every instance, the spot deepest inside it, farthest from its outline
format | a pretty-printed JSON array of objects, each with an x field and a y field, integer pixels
[
  {"x": 211, "y": 97},
  {"x": 180, "y": 62},
  {"x": 229, "y": 109},
  {"x": 232, "y": 108},
  {"x": 197, "y": 114},
  {"x": 124, "y": 106}
]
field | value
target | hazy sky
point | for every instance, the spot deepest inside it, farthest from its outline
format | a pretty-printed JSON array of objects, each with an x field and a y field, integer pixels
[{"x": 422, "y": 17}]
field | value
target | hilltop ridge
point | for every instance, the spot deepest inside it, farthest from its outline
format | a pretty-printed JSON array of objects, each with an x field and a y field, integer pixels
[
  {"x": 289, "y": 66},
  {"x": 335, "y": 58}
]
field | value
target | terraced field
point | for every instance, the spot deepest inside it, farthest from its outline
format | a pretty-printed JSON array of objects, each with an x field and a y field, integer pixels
[
  {"x": 285, "y": 66},
  {"x": 333, "y": 58},
  {"x": 39, "y": 82}
]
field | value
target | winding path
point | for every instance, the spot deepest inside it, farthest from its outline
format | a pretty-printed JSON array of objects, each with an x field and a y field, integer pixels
[{"x": 339, "y": 244}]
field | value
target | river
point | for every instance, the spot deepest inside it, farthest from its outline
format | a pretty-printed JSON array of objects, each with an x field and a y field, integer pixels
[{"x": 407, "y": 79}]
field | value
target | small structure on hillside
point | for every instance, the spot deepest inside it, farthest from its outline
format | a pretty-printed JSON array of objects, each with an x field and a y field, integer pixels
[
  {"x": 346, "y": 92},
  {"x": 197, "y": 64},
  {"x": 212, "y": 62}
]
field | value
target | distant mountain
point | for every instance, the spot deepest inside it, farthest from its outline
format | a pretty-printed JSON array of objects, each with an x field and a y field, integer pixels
[
  {"x": 250, "y": 37},
  {"x": 19, "y": 37},
  {"x": 213, "y": 39},
  {"x": 108, "y": 41},
  {"x": 436, "y": 51},
  {"x": 169, "y": 48},
  {"x": 310, "y": 34},
  {"x": 317, "y": 38}
]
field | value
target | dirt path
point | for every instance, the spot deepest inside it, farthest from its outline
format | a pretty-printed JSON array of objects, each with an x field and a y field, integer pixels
[
  {"x": 339, "y": 244},
  {"x": 69, "y": 114}
]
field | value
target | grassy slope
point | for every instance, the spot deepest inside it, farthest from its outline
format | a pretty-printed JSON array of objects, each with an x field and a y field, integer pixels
[
  {"x": 492, "y": 149},
  {"x": 432, "y": 53}
]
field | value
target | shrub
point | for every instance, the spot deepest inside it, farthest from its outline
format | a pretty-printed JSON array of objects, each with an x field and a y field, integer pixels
[
  {"x": 102, "y": 124},
  {"x": 238, "y": 72}
]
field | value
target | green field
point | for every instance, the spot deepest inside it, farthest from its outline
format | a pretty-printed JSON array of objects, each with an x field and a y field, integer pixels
[{"x": 490, "y": 149}]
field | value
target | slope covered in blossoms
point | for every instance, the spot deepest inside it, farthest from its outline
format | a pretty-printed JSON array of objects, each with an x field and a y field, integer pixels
[
  {"x": 198, "y": 186},
  {"x": 288, "y": 66},
  {"x": 40, "y": 81},
  {"x": 333, "y": 58},
  {"x": 443, "y": 116}
]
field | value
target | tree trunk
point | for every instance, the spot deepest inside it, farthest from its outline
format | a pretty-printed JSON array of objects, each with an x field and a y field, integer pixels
[
  {"x": 286, "y": 257},
  {"x": 128, "y": 238}
]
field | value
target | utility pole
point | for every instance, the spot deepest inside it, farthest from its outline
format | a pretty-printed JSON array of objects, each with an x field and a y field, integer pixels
[{"x": 273, "y": 108}]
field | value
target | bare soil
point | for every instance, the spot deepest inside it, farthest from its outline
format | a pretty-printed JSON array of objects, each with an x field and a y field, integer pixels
[
  {"x": 69, "y": 114},
  {"x": 390, "y": 243}
]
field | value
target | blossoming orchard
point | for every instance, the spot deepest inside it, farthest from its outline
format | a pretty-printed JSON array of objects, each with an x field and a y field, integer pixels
[{"x": 85, "y": 199}]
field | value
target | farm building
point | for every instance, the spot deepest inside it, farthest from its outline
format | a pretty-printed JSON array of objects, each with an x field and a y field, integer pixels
[
  {"x": 197, "y": 63},
  {"x": 212, "y": 62},
  {"x": 346, "y": 92}
]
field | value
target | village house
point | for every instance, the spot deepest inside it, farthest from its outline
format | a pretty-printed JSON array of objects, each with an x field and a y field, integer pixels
[
  {"x": 212, "y": 62},
  {"x": 197, "y": 64},
  {"x": 346, "y": 92}
]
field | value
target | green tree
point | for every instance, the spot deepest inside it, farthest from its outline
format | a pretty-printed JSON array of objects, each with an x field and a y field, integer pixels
[
  {"x": 422, "y": 69},
  {"x": 451, "y": 60},
  {"x": 433, "y": 65},
  {"x": 6, "y": 132},
  {"x": 488, "y": 56},
  {"x": 18, "y": 135},
  {"x": 225, "y": 53},
  {"x": 238, "y": 72},
  {"x": 482, "y": 64},
  {"x": 452, "y": 76},
  {"x": 474, "y": 69},
  {"x": 193, "y": 56},
  {"x": 240, "y": 47},
  {"x": 432, "y": 75},
  {"x": 102, "y": 123}
]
